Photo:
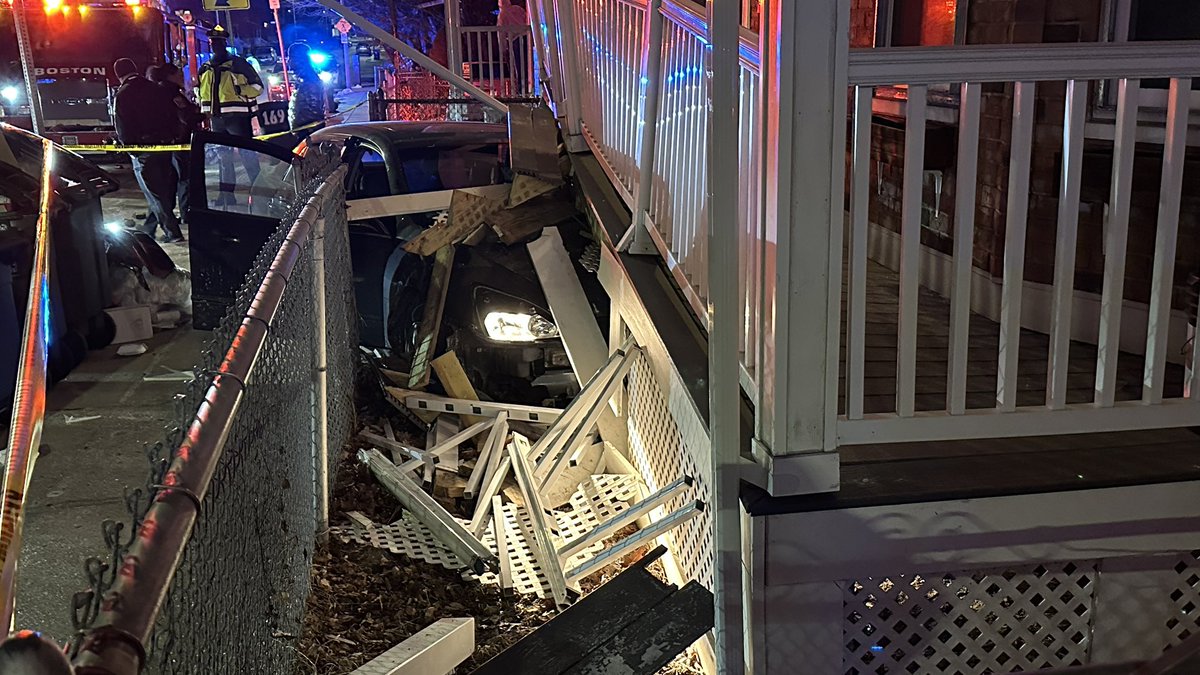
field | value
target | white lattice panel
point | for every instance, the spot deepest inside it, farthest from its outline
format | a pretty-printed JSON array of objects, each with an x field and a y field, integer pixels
[
  {"x": 597, "y": 499},
  {"x": 1186, "y": 600},
  {"x": 660, "y": 451},
  {"x": 973, "y": 622}
]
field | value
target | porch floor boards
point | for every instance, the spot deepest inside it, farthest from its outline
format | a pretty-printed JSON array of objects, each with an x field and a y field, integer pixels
[
  {"x": 900, "y": 473},
  {"x": 933, "y": 342}
]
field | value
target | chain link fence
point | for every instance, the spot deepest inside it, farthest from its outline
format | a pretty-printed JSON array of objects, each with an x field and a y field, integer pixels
[{"x": 236, "y": 599}]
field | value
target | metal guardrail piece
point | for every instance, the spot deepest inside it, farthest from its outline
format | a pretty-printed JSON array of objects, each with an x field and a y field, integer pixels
[
  {"x": 436, "y": 650},
  {"x": 473, "y": 554},
  {"x": 543, "y": 548},
  {"x": 441, "y": 404},
  {"x": 656, "y": 529},
  {"x": 610, "y": 526}
]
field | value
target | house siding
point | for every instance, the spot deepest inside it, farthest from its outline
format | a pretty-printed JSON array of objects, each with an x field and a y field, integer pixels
[{"x": 1036, "y": 21}]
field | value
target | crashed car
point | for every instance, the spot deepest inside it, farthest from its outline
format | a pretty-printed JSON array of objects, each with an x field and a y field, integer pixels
[{"x": 400, "y": 181}]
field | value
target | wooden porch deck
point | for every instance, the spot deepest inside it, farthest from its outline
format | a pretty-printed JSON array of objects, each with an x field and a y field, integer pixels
[
  {"x": 898, "y": 473},
  {"x": 933, "y": 331}
]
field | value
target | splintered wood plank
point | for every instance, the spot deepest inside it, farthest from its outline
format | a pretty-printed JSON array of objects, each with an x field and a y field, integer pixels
[
  {"x": 524, "y": 222},
  {"x": 467, "y": 212},
  {"x": 454, "y": 379},
  {"x": 656, "y": 637},
  {"x": 525, "y": 188},
  {"x": 533, "y": 142},
  {"x": 581, "y": 628},
  {"x": 431, "y": 319}
]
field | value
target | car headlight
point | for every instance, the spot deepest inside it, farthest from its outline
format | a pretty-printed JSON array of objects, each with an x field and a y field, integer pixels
[
  {"x": 10, "y": 93},
  {"x": 518, "y": 327},
  {"x": 273, "y": 80}
]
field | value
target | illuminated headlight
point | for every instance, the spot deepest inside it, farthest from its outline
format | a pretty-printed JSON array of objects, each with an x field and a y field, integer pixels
[
  {"x": 511, "y": 327},
  {"x": 273, "y": 80},
  {"x": 10, "y": 93}
]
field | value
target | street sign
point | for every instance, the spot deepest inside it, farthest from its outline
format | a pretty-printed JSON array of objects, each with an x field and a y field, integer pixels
[
  {"x": 222, "y": 5},
  {"x": 343, "y": 26}
]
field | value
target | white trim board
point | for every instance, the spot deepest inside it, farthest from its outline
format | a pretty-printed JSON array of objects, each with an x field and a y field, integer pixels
[
  {"x": 936, "y": 274},
  {"x": 990, "y": 532}
]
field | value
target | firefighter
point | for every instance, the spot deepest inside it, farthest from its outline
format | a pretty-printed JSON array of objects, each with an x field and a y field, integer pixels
[
  {"x": 170, "y": 77},
  {"x": 145, "y": 115},
  {"x": 228, "y": 92}
]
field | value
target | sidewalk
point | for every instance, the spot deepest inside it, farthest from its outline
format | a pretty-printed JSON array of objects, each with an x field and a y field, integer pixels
[{"x": 97, "y": 422}]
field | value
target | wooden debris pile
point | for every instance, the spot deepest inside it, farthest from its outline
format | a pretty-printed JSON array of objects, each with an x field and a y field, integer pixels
[{"x": 530, "y": 506}]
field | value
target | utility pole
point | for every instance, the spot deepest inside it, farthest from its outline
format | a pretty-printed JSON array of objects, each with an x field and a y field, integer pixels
[
  {"x": 26, "y": 51},
  {"x": 287, "y": 80}
]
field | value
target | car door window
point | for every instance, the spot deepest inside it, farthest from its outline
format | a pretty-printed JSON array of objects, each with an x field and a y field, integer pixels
[
  {"x": 240, "y": 180},
  {"x": 371, "y": 178}
]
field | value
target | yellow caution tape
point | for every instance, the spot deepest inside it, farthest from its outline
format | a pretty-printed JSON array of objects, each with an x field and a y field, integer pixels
[{"x": 180, "y": 148}]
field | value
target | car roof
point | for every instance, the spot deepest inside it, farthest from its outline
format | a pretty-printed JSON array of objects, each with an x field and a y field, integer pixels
[{"x": 414, "y": 134}]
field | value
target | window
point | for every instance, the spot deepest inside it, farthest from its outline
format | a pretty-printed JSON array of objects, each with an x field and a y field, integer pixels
[
  {"x": 237, "y": 180},
  {"x": 1149, "y": 21},
  {"x": 909, "y": 23}
]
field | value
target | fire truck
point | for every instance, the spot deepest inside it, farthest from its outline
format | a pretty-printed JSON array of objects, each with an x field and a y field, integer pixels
[{"x": 74, "y": 45}]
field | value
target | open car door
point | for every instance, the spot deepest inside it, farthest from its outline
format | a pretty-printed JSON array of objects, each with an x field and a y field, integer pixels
[{"x": 239, "y": 191}]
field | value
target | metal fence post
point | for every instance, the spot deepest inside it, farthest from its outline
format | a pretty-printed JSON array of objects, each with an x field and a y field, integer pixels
[
  {"x": 651, "y": 97},
  {"x": 320, "y": 379}
]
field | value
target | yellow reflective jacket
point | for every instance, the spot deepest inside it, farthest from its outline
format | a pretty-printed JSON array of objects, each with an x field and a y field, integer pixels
[{"x": 233, "y": 83}]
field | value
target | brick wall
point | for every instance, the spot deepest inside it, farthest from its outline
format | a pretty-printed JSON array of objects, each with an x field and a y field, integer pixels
[
  {"x": 862, "y": 23},
  {"x": 1033, "y": 21}
]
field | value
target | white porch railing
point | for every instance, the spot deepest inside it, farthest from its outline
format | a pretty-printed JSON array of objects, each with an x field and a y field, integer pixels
[
  {"x": 610, "y": 44},
  {"x": 1081, "y": 388},
  {"x": 500, "y": 60},
  {"x": 643, "y": 108}
]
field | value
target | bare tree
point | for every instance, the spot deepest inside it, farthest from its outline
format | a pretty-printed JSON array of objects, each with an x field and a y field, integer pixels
[{"x": 414, "y": 25}]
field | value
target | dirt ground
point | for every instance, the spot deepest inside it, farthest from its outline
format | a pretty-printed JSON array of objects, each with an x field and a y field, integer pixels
[{"x": 366, "y": 600}]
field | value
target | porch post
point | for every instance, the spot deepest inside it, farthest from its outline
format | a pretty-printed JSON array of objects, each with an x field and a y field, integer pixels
[
  {"x": 724, "y": 390},
  {"x": 805, "y": 47},
  {"x": 567, "y": 36},
  {"x": 651, "y": 97}
]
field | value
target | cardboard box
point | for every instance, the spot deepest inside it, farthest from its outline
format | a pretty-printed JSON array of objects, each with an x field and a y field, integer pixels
[{"x": 133, "y": 323}]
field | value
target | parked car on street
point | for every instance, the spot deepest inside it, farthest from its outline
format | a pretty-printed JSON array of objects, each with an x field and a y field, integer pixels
[{"x": 496, "y": 316}]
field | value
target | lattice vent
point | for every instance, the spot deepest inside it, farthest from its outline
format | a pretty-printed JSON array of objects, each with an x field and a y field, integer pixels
[
  {"x": 661, "y": 454},
  {"x": 1186, "y": 599},
  {"x": 998, "y": 621}
]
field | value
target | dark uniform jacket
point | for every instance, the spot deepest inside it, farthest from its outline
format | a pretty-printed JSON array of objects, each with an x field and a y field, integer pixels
[{"x": 144, "y": 113}]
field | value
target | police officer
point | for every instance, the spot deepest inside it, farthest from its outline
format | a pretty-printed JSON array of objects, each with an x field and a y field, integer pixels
[
  {"x": 228, "y": 92},
  {"x": 145, "y": 115},
  {"x": 170, "y": 77}
]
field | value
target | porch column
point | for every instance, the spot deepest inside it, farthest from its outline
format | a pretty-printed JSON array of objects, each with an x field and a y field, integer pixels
[
  {"x": 724, "y": 391},
  {"x": 805, "y": 46}
]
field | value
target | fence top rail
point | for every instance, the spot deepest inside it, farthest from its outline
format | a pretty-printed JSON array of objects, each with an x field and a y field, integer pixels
[
  {"x": 692, "y": 18},
  {"x": 1023, "y": 63},
  {"x": 515, "y": 30}
]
